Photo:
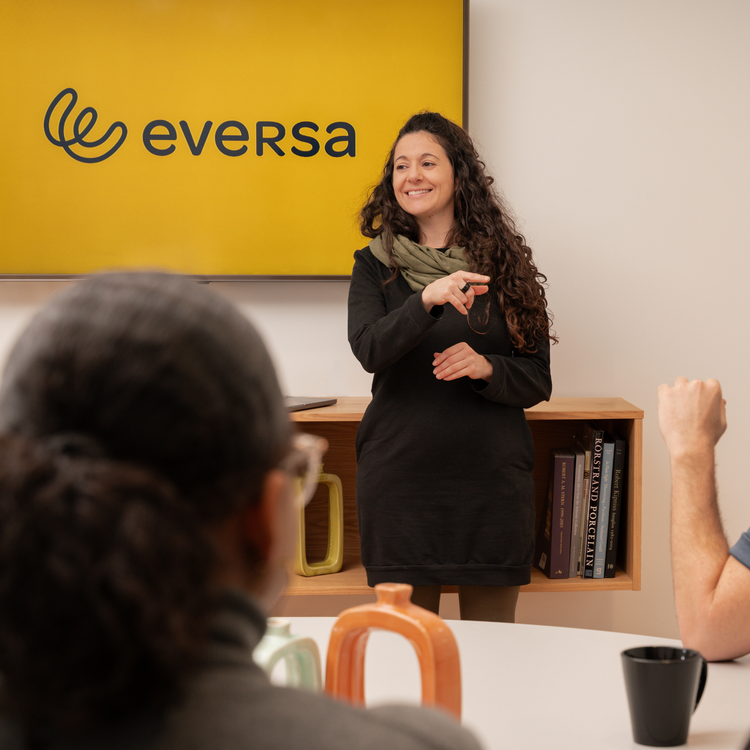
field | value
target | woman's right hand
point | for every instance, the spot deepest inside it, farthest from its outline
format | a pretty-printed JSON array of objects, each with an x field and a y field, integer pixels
[{"x": 449, "y": 290}]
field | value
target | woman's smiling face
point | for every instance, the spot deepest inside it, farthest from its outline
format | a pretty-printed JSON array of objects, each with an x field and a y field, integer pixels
[{"x": 423, "y": 178}]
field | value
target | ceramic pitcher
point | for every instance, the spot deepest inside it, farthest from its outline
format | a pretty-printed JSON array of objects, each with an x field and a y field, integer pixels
[
  {"x": 431, "y": 638},
  {"x": 299, "y": 653}
]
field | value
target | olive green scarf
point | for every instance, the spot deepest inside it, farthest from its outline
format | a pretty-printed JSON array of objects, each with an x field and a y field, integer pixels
[{"x": 419, "y": 265}]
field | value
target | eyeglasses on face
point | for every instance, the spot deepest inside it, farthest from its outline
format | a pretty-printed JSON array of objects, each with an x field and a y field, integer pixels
[{"x": 303, "y": 464}]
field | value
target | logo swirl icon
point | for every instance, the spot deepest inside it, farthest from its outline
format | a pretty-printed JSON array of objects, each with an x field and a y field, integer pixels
[{"x": 82, "y": 126}]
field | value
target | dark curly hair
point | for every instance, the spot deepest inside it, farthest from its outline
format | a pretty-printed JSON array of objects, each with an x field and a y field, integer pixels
[
  {"x": 136, "y": 411},
  {"x": 482, "y": 224}
]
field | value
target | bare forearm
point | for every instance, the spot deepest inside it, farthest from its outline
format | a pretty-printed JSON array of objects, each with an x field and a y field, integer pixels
[
  {"x": 699, "y": 546},
  {"x": 712, "y": 588}
]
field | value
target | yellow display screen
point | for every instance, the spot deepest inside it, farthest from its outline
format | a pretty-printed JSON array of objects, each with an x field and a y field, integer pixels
[{"x": 221, "y": 138}]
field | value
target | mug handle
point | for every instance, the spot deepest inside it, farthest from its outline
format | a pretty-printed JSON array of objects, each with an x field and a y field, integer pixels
[{"x": 701, "y": 683}]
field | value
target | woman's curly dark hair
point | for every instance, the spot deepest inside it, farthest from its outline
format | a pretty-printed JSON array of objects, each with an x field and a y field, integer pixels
[
  {"x": 483, "y": 225},
  {"x": 137, "y": 411}
]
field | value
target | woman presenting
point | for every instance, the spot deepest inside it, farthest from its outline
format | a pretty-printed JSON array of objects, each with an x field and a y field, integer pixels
[{"x": 448, "y": 310}]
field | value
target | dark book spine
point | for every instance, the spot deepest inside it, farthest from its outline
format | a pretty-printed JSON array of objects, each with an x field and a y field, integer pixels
[
  {"x": 575, "y": 520},
  {"x": 542, "y": 552},
  {"x": 619, "y": 475},
  {"x": 565, "y": 485},
  {"x": 552, "y": 554},
  {"x": 593, "y": 513}
]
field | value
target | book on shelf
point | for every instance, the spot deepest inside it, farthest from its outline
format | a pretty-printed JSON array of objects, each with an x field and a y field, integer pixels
[
  {"x": 575, "y": 522},
  {"x": 605, "y": 493},
  {"x": 595, "y": 438},
  {"x": 619, "y": 478},
  {"x": 552, "y": 552},
  {"x": 584, "y": 504}
]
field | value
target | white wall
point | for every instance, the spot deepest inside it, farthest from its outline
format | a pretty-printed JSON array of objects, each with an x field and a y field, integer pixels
[{"x": 618, "y": 130}]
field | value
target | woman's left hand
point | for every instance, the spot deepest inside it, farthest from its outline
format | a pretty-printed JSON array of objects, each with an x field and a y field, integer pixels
[{"x": 459, "y": 361}]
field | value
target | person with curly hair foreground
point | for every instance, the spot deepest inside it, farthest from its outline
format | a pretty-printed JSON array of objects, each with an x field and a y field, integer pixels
[
  {"x": 147, "y": 490},
  {"x": 448, "y": 310}
]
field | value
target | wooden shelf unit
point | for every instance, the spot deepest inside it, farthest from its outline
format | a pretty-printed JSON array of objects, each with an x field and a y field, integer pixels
[{"x": 553, "y": 425}]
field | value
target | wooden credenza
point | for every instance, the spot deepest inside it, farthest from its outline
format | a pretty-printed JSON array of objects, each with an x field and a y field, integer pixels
[{"x": 554, "y": 424}]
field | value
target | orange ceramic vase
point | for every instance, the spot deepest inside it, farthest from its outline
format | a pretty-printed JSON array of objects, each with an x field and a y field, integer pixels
[{"x": 431, "y": 638}]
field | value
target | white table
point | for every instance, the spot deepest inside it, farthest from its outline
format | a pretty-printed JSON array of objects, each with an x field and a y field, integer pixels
[{"x": 534, "y": 686}]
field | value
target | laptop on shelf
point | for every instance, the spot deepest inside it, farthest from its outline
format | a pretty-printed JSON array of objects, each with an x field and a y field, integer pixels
[{"x": 298, "y": 403}]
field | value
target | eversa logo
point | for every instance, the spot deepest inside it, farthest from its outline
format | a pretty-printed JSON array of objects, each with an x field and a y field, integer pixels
[
  {"x": 81, "y": 127},
  {"x": 230, "y": 137}
]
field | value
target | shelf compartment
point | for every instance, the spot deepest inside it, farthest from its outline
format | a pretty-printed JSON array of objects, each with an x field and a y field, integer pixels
[{"x": 554, "y": 424}]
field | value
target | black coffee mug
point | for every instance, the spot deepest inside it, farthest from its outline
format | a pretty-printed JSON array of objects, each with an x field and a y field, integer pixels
[{"x": 664, "y": 686}]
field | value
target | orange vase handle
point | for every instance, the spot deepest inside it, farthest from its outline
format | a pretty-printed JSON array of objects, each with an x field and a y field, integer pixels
[{"x": 432, "y": 639}]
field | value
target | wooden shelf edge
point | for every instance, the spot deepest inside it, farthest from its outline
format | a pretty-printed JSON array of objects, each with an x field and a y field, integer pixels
[
  {"x": 569, "y": 408},
  {"x": 351, "y": 409},
  {"x": 353, "y": 582},
  {"x": 541, "y": 584}
]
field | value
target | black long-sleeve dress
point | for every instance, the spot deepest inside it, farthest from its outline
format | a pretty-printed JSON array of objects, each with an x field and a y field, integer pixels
[{"x": 445, "y": 493}]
